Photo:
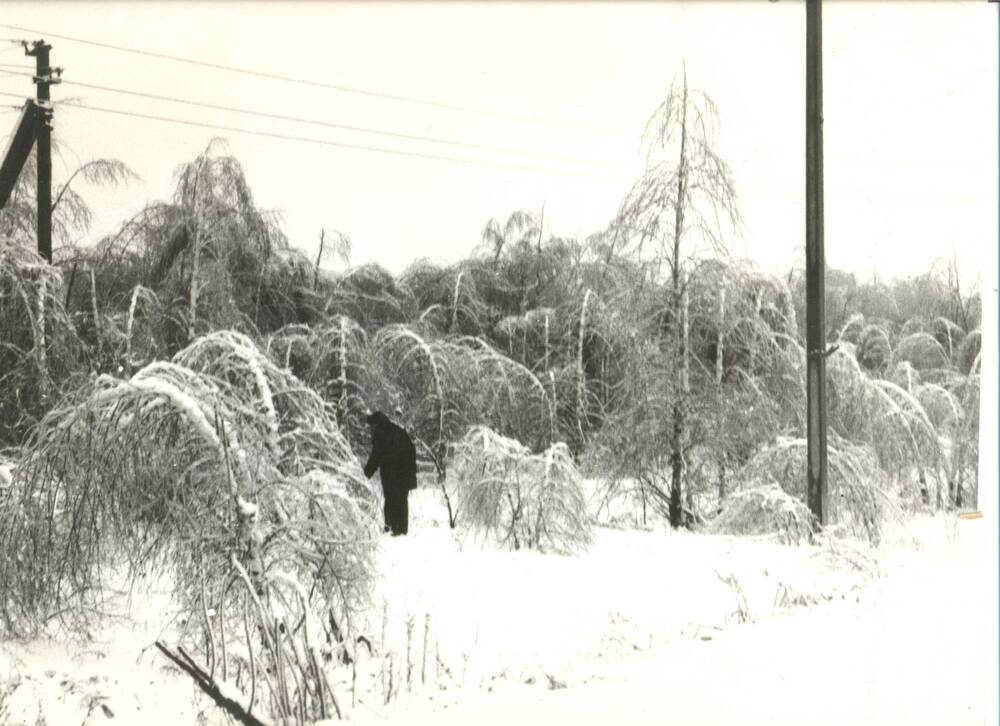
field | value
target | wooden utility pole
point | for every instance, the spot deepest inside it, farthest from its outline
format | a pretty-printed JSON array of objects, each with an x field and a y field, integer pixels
[
  {"x": 816, "y": 485},
  {"x": 43, "y": 79}
]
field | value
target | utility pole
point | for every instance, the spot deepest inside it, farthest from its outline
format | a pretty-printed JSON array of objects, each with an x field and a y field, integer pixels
[
  {"x": 43, "y": 79},
  {"x": 816, "y": 485}
]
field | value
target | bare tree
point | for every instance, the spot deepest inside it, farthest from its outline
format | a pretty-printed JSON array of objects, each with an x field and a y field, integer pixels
[
  {"x": 521, "y": 226},
  {"x": 338, "y": 247},
  {"x": 964, "y": 306}
]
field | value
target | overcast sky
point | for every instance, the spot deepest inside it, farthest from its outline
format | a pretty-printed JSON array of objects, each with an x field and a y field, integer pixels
[{"x": 910, "y": 109}]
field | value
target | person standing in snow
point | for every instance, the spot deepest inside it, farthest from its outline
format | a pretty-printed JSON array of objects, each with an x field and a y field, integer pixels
[{"x": 394, "y": 456}]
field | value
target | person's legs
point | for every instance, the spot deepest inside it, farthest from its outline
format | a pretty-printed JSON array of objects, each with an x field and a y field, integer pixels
[
  {"x": 403, "y": 512},
  {"x": 386, "y": 510},
  {"x": 396, "y": 512}
]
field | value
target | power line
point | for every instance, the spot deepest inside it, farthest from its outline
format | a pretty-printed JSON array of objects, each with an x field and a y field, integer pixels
[
  {"x": 321, "y": 142},
  {"x": 330, "y": 124},
  {"x": 300, "y": 81}
]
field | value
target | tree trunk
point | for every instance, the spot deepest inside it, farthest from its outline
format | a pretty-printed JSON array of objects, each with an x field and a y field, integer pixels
[
  {"x": 956, "y": 475},
  {"x": 196, "y": 252},
  {"x": 129, "y": 323},
  {"x": 757, "y": 304},
  {"x": 676, "y": 468},
  {"x": 722, "y": 485},
  {"x": 686, "y": 382},
  {"x": 545, "y": 357},
  {"x": 581, "y": 383},
  {"x": 43, "y": 369},
  {"x": 678, "y": 423},
  {"x": 719, "y": 340},
  {"x": 69, "y": 286},
  {"x": 719, "y": 353},
  {"x": 342, "y": 378},
  {"x": 93, "y": 312},
  {"x": 319, "y": 256},
  {"x": 553, "y": 405},
  {"x": 193, "y": 312},
  {"x": 454, "y": 304}
]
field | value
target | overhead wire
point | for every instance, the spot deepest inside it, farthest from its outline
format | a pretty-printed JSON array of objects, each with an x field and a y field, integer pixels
[
  {"x": 332, "y": 124},
  {"x": 322, "y": 142},
  {"x": 301, "y": 81}
]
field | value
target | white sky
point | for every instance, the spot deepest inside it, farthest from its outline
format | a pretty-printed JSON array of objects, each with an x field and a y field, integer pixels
[{"x": 910, "y": 107}]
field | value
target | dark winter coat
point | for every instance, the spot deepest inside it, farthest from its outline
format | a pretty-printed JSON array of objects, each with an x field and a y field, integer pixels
[{"x": 393, "y": 455}]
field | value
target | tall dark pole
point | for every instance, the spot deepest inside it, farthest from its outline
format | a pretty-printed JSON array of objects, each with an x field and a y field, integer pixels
[
  {"x": 43, "y": 79},
  {"x": 816, "y": 485}
]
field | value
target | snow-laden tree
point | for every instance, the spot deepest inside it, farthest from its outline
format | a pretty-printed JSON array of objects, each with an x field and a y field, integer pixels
[{"x": 681, "y": 209}]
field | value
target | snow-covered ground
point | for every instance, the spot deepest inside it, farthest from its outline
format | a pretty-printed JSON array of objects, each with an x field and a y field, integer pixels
[
  {"x": 647, "y": 627},
  {"x": 903, "y": 650}
]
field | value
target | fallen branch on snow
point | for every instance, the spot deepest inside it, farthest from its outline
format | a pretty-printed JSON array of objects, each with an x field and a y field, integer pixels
[{"x": 214, "y": 690}]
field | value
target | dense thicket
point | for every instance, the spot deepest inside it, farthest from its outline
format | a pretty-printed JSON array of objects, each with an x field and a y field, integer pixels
[
  {"x": 191, "y": 390},
  {"x": 592, "y": 342}
]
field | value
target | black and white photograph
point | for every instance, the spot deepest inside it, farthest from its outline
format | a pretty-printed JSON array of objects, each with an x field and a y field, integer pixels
[{"x": 502, "y": 363}]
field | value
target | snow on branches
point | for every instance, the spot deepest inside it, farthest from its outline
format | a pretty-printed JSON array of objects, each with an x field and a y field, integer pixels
[{"x": 523, "y": 499}]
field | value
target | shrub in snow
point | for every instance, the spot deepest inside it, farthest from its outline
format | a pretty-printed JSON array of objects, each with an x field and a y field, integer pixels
[
  {"x": 968, "y": 352},
  {"x": 851, "y": 332},
  {"x": 949, "y": 335},
  {"x": 885, "y": 418},
  {"x": 922, "y": 351},
  {"x": 904, "y": 375},
  {"x": 856, "y": 500},
  {"x": 220, "y": 469},
  {"x": 523, "y": 499},
  {"x": 765, "y": 510},
  {"x": 443, "y": 385},
  {"x": 448, "y": 384},
  {"x": 874, "y": 348}
]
